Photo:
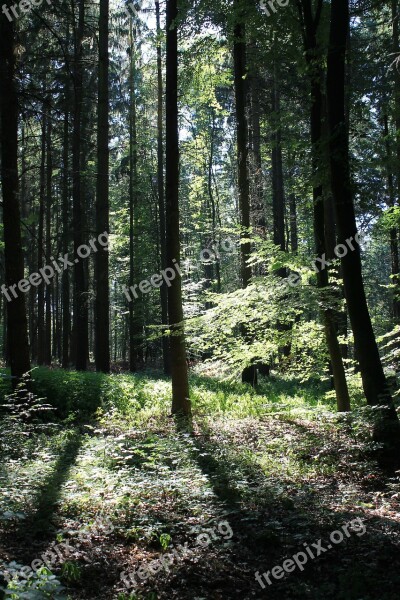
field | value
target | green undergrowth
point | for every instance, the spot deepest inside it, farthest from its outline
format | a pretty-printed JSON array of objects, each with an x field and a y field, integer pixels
[
  {"x": 114, "y": 453},
  {"x": 78, "y": 395}
]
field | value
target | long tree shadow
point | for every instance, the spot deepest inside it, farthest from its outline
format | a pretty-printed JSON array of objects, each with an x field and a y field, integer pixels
[
  {"x": 39, "y": 524},
  {"x": 270, "y": 527}
]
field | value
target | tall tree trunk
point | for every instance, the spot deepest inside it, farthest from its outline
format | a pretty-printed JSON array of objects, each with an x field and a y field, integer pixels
[
  {"x": 240, "y": 73},
  {"x": 180, "y": 384},
  {"x": 374, "y": 382},
  {"x": 65, "y": 300},
  {"x": 80, "y": 338},
  {"x": 161, "y": 193},
  {"x": 17, "y": 326},
  {"x": 294, "y": 240},
  {"x": 135, "y": 306},
  {"x": 48, "y": 289},
  {"x": 40, "y": 249},
  {"x": 396, "y": 69},
  {"x": 394, "y": 247},
  {"x": 102, "y": 307},
  {"x": 278, "y": 191},
  {"x": 313, "y": 57},
  {"x": 249, "y": 374},
  {"x": 258, "y": 209}
]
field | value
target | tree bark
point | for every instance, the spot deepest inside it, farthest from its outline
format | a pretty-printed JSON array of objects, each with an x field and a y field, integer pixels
[
  {"x": 17, "y": 326},
  {"x": 65, "y": 299},
  {"x": 374, "y": 381},
  {"x": 161, "y": 194},
  {"x": 180, "y": 384},
  {"x": 80, "y": 337},
  {"x": 42, "y": 200},
  {"x": 313, "y": 57},
  {"x": 102, "y": 306},
  {"x": 48, "y": 289},
  {"x": 249, "y": 374}
]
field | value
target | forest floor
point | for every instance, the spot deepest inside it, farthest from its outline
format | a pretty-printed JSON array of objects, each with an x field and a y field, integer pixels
[{"x": 263, "y": 476}]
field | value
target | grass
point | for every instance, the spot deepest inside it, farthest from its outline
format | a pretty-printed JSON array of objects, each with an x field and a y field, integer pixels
[{"x": 278, "y": 463}]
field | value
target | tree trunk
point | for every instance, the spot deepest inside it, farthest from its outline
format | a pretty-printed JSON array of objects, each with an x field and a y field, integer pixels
[
  {"x": 40, "y": 249},
  {"x": 161, "y": 194},
  {"x": 135, "y": 310},
  {"x": 102, "y": 307},
  {"x": 394, "y": 247},
  {"x": 48, "y": 289},
  {"x": 80, "y": 338},
  {"x": 65, "y": 300},
  {"x": 180, "y": 384},
  {"x": 240, "y": 73},
  {"x": 17, "y": 327},
  {"x": 249, "y": 374},
  {"x": 311, "y": 24},
  {"x": 374, "y": 382}
]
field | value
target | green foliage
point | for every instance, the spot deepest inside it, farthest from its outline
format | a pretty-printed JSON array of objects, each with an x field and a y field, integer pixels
[{"x": 39, "y": 585}]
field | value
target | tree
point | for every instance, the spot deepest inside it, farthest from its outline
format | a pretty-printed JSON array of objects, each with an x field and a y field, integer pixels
[
  {"x": 17, "y": 328},
  {"x": 374, "y": 381},
  {"x": 102, "y": 309},
  {"x": 180, "y": 384},
  {"x": 311, "y": 23},
  {"x": 80, "y": 329},
  {"x": 249, "y": 374}
]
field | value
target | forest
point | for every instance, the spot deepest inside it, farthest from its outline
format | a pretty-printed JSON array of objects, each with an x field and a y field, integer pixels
[{"x": 200, "y": 299}]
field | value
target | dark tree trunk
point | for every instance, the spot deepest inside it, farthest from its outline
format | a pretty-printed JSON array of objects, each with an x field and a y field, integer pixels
[
  {"x": 311, "y": 24},
  {"x": 48, "y": 289},
  {"x": 135, "y": 306},
  {"x": 161, "y": 193},
  {"x": 80, "y": 338},
  {"x": 294, "y": 242},
  {"x": 102, "y": 307},
  {"x": 180, "y": 384},
  {"x": 278, "y": 191},
  {"x": 374, "y": 382},
  {"x": 258, "y": 210},
  {"x": 65, "y": 300},
  {"x": 394, "y": 247},
  {"x": 249, "y": 374},
  {"x": 17, "y": 327},
  {"x": 240, "y": 73},
  {"x": 40, "y": 249}
]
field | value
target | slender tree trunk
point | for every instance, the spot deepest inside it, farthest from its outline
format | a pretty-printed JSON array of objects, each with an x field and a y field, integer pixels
[
  {"x": 80, "y": 338},
  {"x": 249, "y": 374},
  {"x": 161, "y": 193},
  {"x": 42, "y": 194},
  {"x": 374, "y": 382},
  {"x": 394, "y": 248},
  {"x": 102, "y": 308},
  {"x": 48, "y": 289},
  {"x": 180, "y": 384},
  {"x": 294, "y": 241},
  {"x": 396, "y": 69},
  {"x": 240, "y": 73},
  {"x": 17, "y": 326},
  {"x": 278, "y": 191},
  {"x": 135, "y": 306},
  {"x": 65, "y": 300},
  {"x": 258, "y": 209},
  {"x": 311, "y": 24}
]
